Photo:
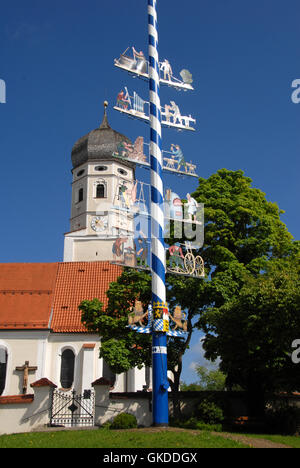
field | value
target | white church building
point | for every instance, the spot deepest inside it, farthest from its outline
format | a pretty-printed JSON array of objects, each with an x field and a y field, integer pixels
[{"x": 40, "y": 324}]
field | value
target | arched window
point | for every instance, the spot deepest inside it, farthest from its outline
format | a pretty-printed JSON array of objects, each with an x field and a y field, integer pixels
[
  {"x": 3, "y": 368},
  {"x": 67, "y": 368},
  {"x": 100, "y": 191},
  {"x": 80, "y": 195}
]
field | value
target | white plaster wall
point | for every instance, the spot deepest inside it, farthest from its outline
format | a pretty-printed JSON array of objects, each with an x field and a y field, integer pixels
[
  {"x": 107, "y": 408},
  {"x": 26, "y": 417},
  {"x": 23, "y": 346},
  {"x": 86, "y": 250},
  {"x": 58, "y": 342},
  {"x": 43, "y": 349}
]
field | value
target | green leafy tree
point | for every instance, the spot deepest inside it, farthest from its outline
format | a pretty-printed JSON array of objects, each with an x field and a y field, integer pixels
[
  {"x": 123, "y": 348},
  {"x": 243, "y": 234},
  {"x": 241, "y": 226},
  {"x": 210, "y": 380},
  {"x": 253, "y": 332}
]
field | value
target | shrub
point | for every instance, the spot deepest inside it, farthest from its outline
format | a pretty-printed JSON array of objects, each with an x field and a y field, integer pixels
[
  {"x": 194, "y": 423},
  {"x": 283, "y": 419},
  {"x": 209, "y": 412},
  {"x": 201, "y": 426},
  {"x": 124, "y": 421}
]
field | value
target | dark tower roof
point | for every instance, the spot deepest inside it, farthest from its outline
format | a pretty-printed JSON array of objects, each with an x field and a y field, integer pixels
[{"x": 99, "y": 144}]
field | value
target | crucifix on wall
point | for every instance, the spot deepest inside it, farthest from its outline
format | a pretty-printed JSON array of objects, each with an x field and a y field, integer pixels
[{"x": 25, "y": 369}]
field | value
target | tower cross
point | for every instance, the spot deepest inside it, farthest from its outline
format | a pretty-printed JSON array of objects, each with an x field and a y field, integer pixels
[{"x": 25, "y": 369}]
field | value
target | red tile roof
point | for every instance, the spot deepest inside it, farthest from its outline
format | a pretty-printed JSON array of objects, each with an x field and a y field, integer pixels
[
  {"x": 39, "y": 295},
  {"x": 44, "y": 382},
  {"x": 26, "y": 293},
  {"x": 77, "y": 281},
  {"x": 16, "y": 399}
]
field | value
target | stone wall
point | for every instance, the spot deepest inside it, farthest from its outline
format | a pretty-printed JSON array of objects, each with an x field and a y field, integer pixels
[{"x": 32, "y": 412}]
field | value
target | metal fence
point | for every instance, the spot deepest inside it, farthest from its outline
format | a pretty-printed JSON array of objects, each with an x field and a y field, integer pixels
[{"x": 70, "y": 410}]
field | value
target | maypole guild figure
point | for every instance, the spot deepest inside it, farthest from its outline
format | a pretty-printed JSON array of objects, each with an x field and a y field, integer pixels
[
  {"x": 167, "y": 69},
  {"x": 177, "y": 115},
  {"x": 2, "y": 92},
  {"x": 118, "y": 249},
  {"x": 140, "y": 60},
  {"x": 192, "y": 207},
  {"x": 174, "y": 204},
  {"x": 124, "y": 149},
  {"x": 176, "y": 256},
  {"x": 177, "y": 153},
  {"x": 134, "y": 152},
  {"x": 138, "y": 150},
  {"x": 123, "y": 100},
  {"x": 141, "y": 250}
]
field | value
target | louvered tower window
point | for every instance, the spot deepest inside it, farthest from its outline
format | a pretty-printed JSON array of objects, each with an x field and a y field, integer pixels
[{"x": 100, "y": 192}]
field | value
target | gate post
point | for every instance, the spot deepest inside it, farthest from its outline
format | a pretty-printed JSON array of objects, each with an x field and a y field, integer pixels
[
  {"x": 102, "y": 387},
  {"x": 43, "y": 398}
]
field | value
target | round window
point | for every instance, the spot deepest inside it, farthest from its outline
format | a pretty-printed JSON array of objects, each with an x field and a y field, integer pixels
[
  {"x": 80, "y": 173},
  {"x": 100, "y": 168},
  {"x": 121, "y": 171}
]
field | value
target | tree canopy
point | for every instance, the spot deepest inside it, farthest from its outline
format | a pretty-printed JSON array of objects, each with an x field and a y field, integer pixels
[
  {"x": 250, "y": 307},
  {"x": 246, "y": 305},
  {"x": 123, "y": 348},
  {"x": 209, "y": 380}
]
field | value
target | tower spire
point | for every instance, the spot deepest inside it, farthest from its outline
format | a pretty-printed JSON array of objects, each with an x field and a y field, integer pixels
[{"x": 105, "y": 123}]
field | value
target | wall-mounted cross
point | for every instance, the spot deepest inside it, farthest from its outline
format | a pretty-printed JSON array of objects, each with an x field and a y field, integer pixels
[{"x": 25, "y": 369}]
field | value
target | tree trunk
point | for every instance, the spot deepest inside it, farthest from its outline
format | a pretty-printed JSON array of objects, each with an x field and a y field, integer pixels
[
  {"x": 255, "y": 397},
  {"x": 175, "y": 392},
  {"x": 177, "y": 373}
]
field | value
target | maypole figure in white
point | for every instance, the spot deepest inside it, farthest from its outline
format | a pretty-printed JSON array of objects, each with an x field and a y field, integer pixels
[
  {"x": 140, "y": 60},
  {"x": 192, "y": 207},
  {"x": 166, "y": 69},
  {"x": 177, "y": 115}
]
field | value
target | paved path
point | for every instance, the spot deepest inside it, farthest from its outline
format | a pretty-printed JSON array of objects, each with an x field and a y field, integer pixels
[
  {"x": 255, "y": 443},
  {"x": 251, "y": 441}
]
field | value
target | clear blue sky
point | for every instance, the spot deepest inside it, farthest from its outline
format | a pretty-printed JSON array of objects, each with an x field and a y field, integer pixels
[{"x": 57, "y": 61}]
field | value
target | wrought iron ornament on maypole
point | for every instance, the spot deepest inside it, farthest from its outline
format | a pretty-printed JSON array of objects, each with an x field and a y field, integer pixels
[{"x": 158, "y": 313}]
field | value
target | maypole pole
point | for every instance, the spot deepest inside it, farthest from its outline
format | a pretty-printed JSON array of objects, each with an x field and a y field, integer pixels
[
  {"x": 158, "y": 313},
  {"x": 160, "y": 309}
]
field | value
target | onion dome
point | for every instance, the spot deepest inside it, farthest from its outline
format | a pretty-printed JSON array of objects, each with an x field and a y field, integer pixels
[{"x": 99, "y": 144}]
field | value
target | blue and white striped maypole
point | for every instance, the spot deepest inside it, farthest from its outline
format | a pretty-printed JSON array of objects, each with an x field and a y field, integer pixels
[{"x": 160, "y": 311}]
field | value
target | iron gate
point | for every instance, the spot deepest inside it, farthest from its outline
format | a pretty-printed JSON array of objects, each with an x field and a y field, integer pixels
[{"x": 72, "y": 410}]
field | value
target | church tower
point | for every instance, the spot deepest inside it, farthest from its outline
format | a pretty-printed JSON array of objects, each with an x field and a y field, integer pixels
[{"x": 100, "y": 177}]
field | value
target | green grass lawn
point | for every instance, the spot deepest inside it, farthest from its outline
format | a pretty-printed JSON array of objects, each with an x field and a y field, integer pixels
[{"x": 104, "y": 438}]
